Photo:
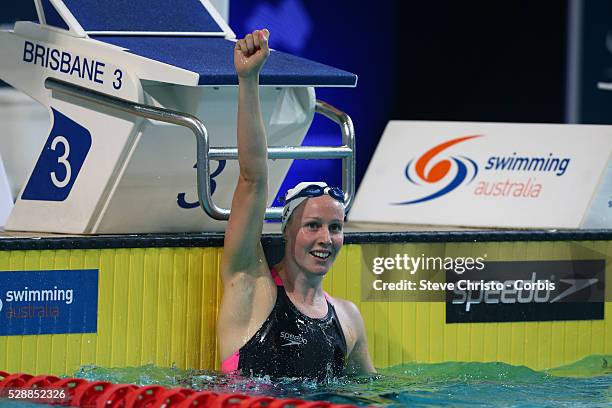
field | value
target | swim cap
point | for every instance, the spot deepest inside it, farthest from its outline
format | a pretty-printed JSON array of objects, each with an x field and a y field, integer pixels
[{"x": 291, "y": 203}]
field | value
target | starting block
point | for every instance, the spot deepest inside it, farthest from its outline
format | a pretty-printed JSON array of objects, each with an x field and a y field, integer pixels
[{"x": 127, "y": 86}]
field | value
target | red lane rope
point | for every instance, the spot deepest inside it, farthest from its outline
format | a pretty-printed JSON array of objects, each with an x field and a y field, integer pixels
[{"x": 103, "y": 394}]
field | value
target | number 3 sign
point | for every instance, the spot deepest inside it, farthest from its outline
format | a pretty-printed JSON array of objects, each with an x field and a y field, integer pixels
[{"x": 60, "y": 161}]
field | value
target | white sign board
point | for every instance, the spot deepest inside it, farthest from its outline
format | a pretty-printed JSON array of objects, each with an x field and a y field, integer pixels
[
  {"x": 600, "y": 211},
  {"x": 484, "y": 174}
]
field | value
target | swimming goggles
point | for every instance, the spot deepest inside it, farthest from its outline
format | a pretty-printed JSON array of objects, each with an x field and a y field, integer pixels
[{"x": 315, "y": 190}]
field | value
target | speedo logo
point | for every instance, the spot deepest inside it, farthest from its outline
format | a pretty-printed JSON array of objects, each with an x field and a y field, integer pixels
[
  {"x": 533, "y": 290},
  {"x": 293, "y": 340}
]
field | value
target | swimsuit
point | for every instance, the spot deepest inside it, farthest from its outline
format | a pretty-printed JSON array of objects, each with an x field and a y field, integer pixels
[{"x": 291, "y": 344}]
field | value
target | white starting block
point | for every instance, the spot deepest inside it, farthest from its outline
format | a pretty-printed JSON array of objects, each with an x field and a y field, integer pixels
[{"x": 127, "y": 86}]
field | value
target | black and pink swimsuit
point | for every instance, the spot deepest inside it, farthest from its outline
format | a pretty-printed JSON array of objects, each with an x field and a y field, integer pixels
[{"x": 291, "y": 344}]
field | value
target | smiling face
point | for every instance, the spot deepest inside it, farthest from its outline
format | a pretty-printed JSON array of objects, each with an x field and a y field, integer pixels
[{"x": 314, "y": 234}]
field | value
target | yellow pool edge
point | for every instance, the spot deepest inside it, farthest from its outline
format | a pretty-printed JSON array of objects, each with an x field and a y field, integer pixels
[{"x": 159, "y": 305}]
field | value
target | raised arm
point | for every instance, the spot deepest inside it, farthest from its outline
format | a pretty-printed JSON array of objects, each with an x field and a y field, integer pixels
[{"x": 242, "y": 248}]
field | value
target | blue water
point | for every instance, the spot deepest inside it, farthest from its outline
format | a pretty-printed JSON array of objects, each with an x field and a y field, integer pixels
[{"x": 587, "y": 383}]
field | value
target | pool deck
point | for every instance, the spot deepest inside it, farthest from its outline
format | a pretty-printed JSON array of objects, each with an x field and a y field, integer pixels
[{"x": 355, "y": 233}]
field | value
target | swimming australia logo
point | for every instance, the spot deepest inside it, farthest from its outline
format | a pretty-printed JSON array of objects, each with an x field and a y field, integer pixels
[
  {"x": 426, "y": 170},
  {"x": 292, "y": 339}
]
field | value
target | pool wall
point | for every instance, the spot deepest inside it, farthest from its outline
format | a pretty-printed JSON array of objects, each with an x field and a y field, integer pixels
[{"x": 158, "y": 300}]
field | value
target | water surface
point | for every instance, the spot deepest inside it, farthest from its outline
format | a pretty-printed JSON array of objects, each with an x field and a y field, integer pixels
[{"x": 587, "y": 383}]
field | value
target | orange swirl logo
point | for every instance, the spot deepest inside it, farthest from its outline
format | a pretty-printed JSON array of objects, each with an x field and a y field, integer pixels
[{"x": 433, "y": 172}]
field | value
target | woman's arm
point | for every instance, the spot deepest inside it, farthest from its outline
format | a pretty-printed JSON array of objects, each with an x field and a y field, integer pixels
[
  {"x": 242, "y": 248},
  {"x": 359, "y": 361}
]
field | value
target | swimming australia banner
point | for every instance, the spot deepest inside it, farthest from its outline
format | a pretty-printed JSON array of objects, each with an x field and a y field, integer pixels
[
  {"x": 48, "y": 302},
  {"x": 485, "y": 174}
]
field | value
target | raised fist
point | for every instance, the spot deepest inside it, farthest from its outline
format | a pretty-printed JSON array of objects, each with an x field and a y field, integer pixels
[{"x": 251, "y": 52}]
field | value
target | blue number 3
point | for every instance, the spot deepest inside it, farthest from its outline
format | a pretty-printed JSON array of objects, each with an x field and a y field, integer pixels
[
  {"x": 60, "y": 162},
  {"x": 180, "y": 198}
]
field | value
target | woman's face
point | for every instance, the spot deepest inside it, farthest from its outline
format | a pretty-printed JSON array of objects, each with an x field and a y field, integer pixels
[{"x": 314, "y": 234}]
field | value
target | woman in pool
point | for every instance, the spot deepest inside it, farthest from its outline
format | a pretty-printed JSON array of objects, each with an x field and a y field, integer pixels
[{"x": 279, "y": 321}]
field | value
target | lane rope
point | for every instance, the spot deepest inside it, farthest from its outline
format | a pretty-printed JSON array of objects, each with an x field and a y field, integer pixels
[{"x": 79, "y": 392}]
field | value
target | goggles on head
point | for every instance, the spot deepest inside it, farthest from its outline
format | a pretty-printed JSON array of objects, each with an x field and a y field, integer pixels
[
  {"x": 315, "y": 190},
  {"x": 307, "y": 190}
]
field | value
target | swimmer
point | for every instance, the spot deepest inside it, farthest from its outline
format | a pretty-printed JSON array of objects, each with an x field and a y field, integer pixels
[{"x": 278, "y": 321}]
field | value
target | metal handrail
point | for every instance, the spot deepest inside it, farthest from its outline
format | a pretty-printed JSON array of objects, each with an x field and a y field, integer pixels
[{"x": 205, "y": 153}]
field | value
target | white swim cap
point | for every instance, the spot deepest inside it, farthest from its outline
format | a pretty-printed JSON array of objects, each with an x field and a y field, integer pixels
[
  {"x": 291, "y": 203},
  {"x": 308, "y": 189}
]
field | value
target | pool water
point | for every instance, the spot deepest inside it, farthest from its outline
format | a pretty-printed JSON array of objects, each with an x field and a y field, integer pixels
[{"x": 587, "y": 383}]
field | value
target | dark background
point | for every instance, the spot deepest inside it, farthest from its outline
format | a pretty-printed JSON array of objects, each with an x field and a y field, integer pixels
[
  {"x": 483, "y": 60},
  {"x": 436, "y": 60}
]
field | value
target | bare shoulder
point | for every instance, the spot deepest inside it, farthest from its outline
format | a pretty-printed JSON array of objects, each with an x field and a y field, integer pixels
[
  {"x": 353, "y": 327},
  {"x": 347, "y": 307},
  {"x": 350, "y": 320}
]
